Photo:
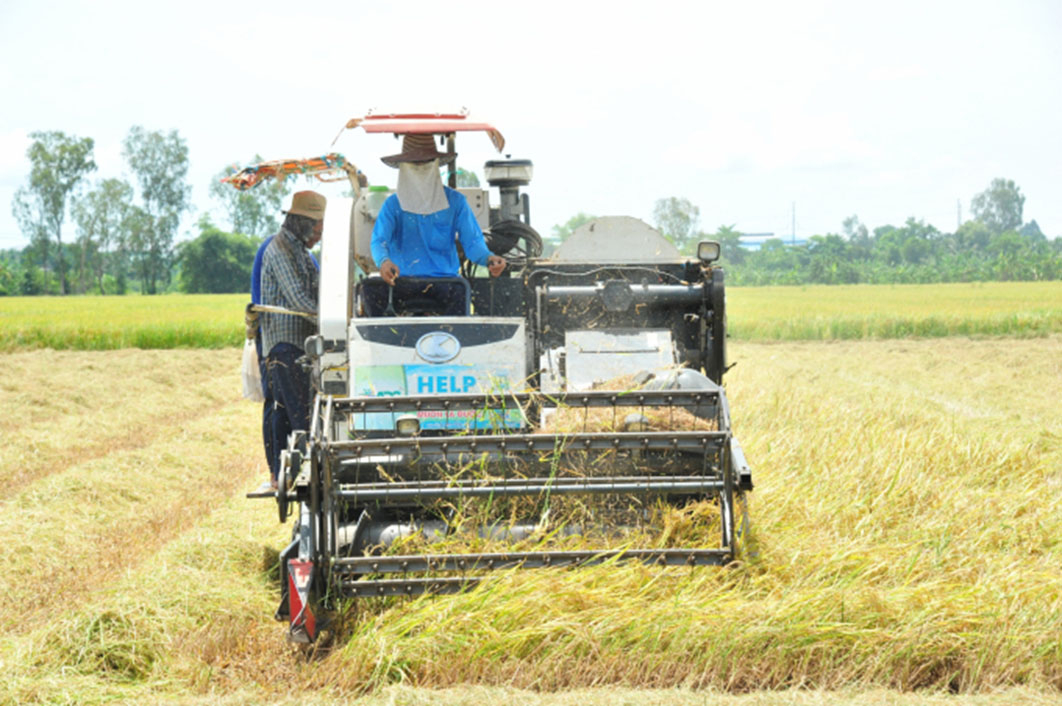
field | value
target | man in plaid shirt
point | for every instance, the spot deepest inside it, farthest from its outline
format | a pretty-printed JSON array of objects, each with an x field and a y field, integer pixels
[{"x": 289, "y": 280}]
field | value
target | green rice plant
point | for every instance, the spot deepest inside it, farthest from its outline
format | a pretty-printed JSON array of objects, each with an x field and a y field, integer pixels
[
  {"x": 107, "y": 323},
  {"x": 755, "y": 313},
  {"x": 894, "y": 311}
]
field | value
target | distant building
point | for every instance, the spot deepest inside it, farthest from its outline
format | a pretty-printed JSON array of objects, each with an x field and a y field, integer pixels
[{"x": 755, "y": 241}]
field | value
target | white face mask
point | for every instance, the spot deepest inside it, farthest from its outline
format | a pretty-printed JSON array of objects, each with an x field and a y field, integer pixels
[{"x": 420, "y": 188}]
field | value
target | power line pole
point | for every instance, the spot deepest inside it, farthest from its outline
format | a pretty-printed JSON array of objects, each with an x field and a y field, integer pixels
[{"x": 958, "y": 208}]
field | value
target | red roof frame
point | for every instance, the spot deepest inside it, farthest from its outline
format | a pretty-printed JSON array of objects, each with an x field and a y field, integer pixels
[{"x": 425, "y": 124}]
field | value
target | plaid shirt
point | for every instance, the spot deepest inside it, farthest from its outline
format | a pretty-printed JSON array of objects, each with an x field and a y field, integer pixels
[{"x": 289, "y": 279}]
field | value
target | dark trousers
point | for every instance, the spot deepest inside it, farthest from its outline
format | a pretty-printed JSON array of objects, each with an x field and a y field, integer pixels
[
  {"x": 291, "y": 397},
  {"x": 267, "y": 409}
]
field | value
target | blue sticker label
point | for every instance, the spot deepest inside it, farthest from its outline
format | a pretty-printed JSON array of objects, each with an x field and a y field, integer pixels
[{"x": 428, "y": 380}]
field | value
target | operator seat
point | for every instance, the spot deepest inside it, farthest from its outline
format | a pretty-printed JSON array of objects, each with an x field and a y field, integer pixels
[{"x": 415, "y": 296}]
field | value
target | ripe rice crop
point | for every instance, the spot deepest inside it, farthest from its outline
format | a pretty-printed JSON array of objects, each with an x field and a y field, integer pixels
[
  {"x": 755, "y": 313},
  {"x": 108, "y": 323},
  {"x": 894, "y": 311},
  {"x": 905, "y": 537}
]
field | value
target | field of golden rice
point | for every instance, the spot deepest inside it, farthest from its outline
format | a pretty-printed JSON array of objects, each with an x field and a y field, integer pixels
[
  {"x": 905, "y": 549},
  {"x": 815, "y": 313}
]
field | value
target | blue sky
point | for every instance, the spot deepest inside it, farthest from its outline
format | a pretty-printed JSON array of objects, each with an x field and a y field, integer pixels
[{"x": 883, "y": 110}]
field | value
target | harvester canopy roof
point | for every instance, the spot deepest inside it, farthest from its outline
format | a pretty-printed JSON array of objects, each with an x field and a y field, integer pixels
[{"x": 425, "y": 123}]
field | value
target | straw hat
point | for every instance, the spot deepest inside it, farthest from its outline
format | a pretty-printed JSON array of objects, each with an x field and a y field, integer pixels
[
  {"x": 418, "y": 148},
  {"x": 308, "y": 203}
]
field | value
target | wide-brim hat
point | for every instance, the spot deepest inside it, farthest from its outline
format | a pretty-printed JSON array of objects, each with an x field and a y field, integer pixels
[
  {"x": 308, "y": 203},
  {"x": 418, "y": 148}
]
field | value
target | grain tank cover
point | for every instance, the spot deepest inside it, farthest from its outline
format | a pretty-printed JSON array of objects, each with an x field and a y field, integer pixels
[{"x": 617, "y": 239}]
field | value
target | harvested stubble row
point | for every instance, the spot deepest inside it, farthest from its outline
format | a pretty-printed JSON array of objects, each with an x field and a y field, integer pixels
[
  {"x": 898, "y": 540},
  {"x": 905, "y": 536}
]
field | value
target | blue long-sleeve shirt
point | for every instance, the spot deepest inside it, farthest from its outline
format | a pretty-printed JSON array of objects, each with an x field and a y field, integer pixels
[
  {"x": 256, "y": 272},
  {"x": 423, "y": 245}
]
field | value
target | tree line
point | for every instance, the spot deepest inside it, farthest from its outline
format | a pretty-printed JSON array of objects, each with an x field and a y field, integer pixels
[
  {"x": 996, "y": 244},
  {"x": 123, "y": 233},
  {"x": 117, "y": 236}
]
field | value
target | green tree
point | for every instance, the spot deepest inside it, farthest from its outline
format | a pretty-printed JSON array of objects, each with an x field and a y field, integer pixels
[
  {"x": 677, "y": 219},
  {"x": 1031, "y": 230},
  {"x": 33, "y": 281},
  {"x": 28, "y": 210},
  {"x": 216, "y": 262},
  {"x": 829, "y": 260},
  {"x": 971, "y": 236},
  {"x": 999, "y": 206},
  {"x": 861, "y": 246},
  {"x": 160, "y": 163},
  {"x": 58, "y": 163},
  {"x": 252, "y": 211},
  {"x": 9, "y": 278},
  {"x": 914, "y": 250},
  {"x": 854, "y": 229},
  {"x": 730, "y": 244},
  {"x": 136, "y": 240},
  {"x": 102, "y": 217}
]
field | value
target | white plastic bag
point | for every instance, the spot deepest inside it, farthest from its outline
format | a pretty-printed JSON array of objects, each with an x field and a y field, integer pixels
[{"x": 252, "y": 376}]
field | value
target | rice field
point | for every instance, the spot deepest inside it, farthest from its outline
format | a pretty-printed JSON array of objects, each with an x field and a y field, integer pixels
[
  {"x": 90, "y": 323},
  {"x": 905, "y": 547},
  {"x": 755, "y": 314},
  {"x": 829, "y": 313}
]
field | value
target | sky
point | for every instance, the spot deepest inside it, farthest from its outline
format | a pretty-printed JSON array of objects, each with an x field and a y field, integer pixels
[{"x": 754, "y": 111}]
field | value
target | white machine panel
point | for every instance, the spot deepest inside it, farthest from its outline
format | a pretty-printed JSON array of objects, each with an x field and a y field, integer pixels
[
  {"x": 437, "y": 356},
  {"x": 594, "y": 357}
]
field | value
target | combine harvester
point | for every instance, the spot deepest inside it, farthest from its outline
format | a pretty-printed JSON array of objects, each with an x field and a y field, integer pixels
[{"x": 416, "y": 413}]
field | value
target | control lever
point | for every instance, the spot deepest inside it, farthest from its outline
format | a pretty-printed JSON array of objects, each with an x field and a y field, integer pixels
[{"x": 390, "y": 310}]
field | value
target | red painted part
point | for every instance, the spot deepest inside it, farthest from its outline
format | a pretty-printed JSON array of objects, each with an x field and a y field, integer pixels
[
  {"x": 300, "y": 574},
  {"x": 426, "y": 124},
  {"x": 420, "y": 116},
  {"x": 421, "y": 126}
]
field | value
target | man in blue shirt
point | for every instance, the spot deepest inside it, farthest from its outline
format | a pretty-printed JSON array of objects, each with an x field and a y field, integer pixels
[{"x": 415, "y": 228}]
